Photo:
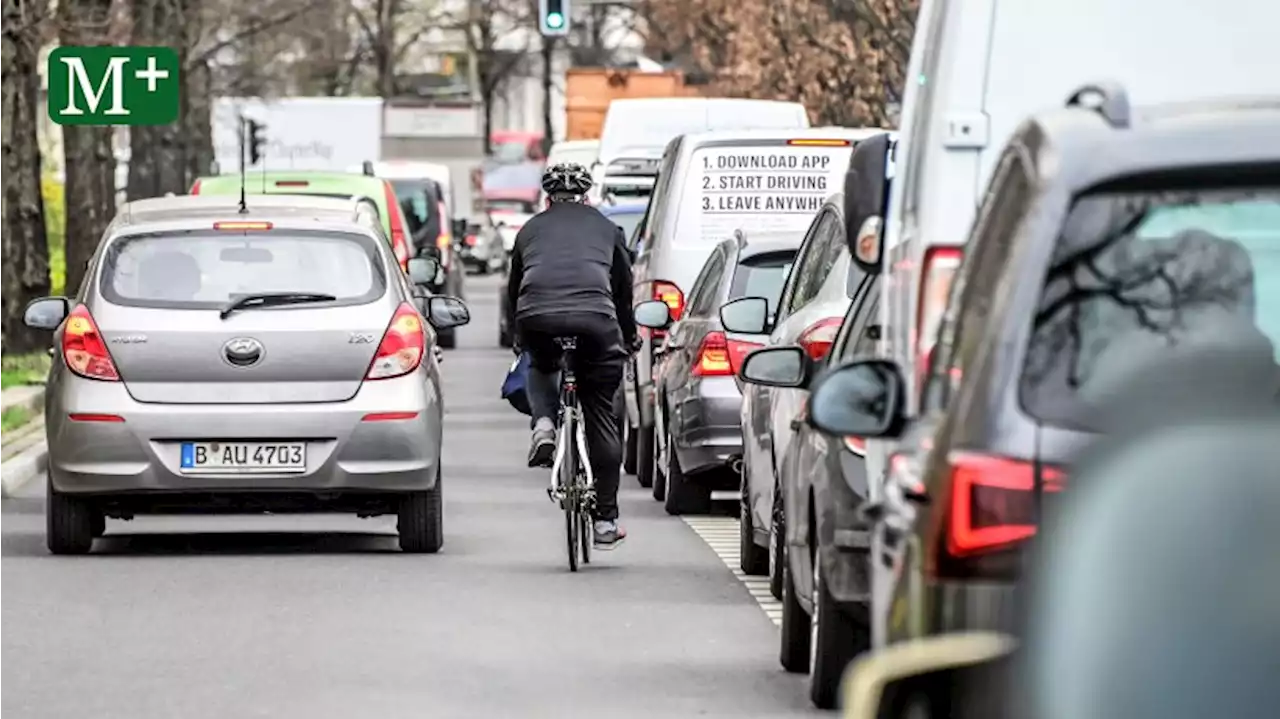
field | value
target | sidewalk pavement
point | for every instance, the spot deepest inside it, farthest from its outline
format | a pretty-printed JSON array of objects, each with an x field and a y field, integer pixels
[{"x": 24, "y": 453}]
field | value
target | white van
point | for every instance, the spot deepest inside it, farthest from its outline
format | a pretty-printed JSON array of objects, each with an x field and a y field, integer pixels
[
  {"x": 637, "y": 129},
  {"x": 709, "y": 185}
]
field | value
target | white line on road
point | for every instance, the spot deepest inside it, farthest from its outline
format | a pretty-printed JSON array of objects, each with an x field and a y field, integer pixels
[{"x": 721, "y": 534}]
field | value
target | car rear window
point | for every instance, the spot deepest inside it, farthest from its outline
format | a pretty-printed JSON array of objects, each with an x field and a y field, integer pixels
[
  {"x": 762, "y": 276},
  {"x": 1141, "y": 273},
  {"x": 415, "y": 198},
  {"x": 207, "y": 270},
  {"x": 627, "y": 221},
  {"x": 775, "y": 187}
]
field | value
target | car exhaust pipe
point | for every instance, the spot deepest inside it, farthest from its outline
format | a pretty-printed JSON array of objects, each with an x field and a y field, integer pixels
[{"x": 735, "y": 464}]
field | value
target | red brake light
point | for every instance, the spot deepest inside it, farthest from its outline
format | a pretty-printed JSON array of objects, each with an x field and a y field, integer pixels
[
  {"x": 672, "y": 295},
  {"x": 402, "y": 348},
  {"x": 719, "y": 356},
  {"x": 819, "y": 143},
  {"x": 857, "y": 445},
  {"x": 993, "y": 502},
  {"x": 471, "y": 240},
  {"x": 241, "y": 226},
  {"x": 84, "y": 350},
  {"x": 195, "y": 188},
  {"x": 818, "y": 338},
  {"x": 399, "y": 244},
  {"x": 81, "y": 417},
  {"x": 292, "y": 183}
]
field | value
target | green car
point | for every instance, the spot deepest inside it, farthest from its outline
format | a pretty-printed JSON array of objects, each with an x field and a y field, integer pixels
[{"x": 327, "y": 184}]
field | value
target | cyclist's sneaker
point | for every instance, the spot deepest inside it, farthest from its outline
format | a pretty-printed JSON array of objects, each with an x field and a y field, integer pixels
[
  {"x": 542, "y": 447},
  {"x": 608, "y": 534}
]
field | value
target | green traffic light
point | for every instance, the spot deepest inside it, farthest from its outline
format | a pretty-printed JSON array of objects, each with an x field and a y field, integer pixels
[{"x": 555, "y": 20}]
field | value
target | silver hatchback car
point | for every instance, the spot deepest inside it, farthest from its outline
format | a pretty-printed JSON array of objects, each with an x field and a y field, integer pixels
[{"x": 215, "y": 360}]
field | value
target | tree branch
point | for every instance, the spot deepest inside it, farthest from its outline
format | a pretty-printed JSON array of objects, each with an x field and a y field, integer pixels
[{"x": 249, "y": 32}]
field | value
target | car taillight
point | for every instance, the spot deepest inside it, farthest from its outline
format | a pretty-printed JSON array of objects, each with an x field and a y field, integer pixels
[
  {"x": 818, "y": 337},
  {"x": 195, "y": 188},
  {"x": 993, "y": 503},
  {"x": 672, "y": 295},
  {"x": 444, "y": 239},
  {"x": 471, "y": 240},
  {"x": 940, "y": 267},
  {"x": 402, "y": 348},
  {"x": 857, "y": 445},
  {"x": 719, "y": 356},
  {"x": 84, "y": 350},
  {"x": 399, "y": 243}
]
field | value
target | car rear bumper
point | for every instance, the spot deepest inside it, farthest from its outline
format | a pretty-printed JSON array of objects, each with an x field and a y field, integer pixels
[
  {"x": 344, "y": 450},
  {"x": 707, "y": 425}
]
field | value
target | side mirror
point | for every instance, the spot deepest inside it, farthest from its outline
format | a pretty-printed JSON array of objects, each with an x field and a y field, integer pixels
[
  {"x": 46, "y": 313},
  {"x": 654, "y": 314},
  {"x": 423, "y": 270},
  {"x": 746, "y": 315},
  {"x": 444, "y": 312},
  {"x": 861, "y": 397},
  {"x": 879, "y": 685},
  {"x": 777, "y": 367},
  {"x": 459, "y": 228},
  {"x": 866, "y": 195}
]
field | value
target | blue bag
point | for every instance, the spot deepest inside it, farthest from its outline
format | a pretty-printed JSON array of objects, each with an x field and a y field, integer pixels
[{"x": 513, "y": 386}]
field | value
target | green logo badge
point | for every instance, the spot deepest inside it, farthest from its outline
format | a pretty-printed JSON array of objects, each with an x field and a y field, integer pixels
[{"x": 113, "y": 85}]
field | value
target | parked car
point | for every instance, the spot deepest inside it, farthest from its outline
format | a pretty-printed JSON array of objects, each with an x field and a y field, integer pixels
[
  {"x": 481, "y": 248},
  {"x": 709, "y": 185},
  {"x": 699, "y": 403},
  {"x": 216, "y": 355},
  {"x": 1107, "y": 237}
]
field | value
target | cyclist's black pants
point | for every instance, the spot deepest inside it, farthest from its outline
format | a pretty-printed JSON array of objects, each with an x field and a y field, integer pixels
[{"x": 598, "y": 365}]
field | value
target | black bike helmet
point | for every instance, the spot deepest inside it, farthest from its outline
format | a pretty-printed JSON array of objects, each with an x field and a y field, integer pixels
[{"x": 566, "y": 179}]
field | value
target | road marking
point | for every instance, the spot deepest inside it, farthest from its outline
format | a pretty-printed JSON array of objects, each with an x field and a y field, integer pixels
[{"x": 721, "y": 534}]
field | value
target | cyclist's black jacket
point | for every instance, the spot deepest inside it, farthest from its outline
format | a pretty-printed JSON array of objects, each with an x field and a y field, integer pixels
[{"x": 571, "y": 258}]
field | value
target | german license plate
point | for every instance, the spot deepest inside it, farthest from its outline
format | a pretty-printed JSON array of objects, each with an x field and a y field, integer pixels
[{"x": 243, "y": 457}]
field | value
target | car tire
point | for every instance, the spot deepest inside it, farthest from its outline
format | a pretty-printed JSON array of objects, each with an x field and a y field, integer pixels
[
  {"x": 683, "y": 495},
  {"x": 448, "y": 339},
  {"x": 777, "y": 552},
  {"x": 69, "y": 522},
  {"x": 628, "y": 444},
  {"x": 645, "y": 463},
  {"x": 795, "y": 632},
  {"x": 752, "y": 558},
  {"x": 836, "y": 637},
  {"x": 421, "y": 520}
]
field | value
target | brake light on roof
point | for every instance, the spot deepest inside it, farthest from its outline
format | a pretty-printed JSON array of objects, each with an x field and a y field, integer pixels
[
  {"x": 819, "y": 143},
  {"x": 819, "y": 336},
  {"x": 403, "y": 345},
  {"x": 719, "y": 356},
  {"x": 84, "y": 350},
  {"x": 195, "y": 188},
  {"x": 399, "y": 243},
  {"x": 292, "y": 183},
  {"x": 241, "y": 226},
  {"x": 940, "y": 267},
  {"x": 993, "y": 503}
]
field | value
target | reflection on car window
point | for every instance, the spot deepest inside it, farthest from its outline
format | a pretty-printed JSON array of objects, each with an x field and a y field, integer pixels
[
  {"x": 762, "y": 276},
  {"x": 1141, "y": 273},
  {"x": 208, "y": 270},
  {"x": 627, "y": 221}
]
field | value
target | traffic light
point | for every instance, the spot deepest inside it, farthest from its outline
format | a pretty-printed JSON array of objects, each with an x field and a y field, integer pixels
[
  {"x": 553, "y": 17},
  {"x": 256, "y": 140}
]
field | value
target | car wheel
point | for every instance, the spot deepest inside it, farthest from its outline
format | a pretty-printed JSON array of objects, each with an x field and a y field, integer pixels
[
  {"x": 644, "y": 460},
  {"x": 794, "y": 637},
  {"x": 448, "y": 339},
  {"x": 684, "y": 496},
  {"x": 69, "y": 522},
  {"x": 752, "y": 558},
  {"x": 835, "y": 638},
  {"x": 628, "y": 444},
  {"x": 777, "y": 552},
  {"x": 421, "y": 520}
]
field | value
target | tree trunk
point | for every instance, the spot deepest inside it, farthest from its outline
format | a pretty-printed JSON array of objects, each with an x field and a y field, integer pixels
[
  {"x": 157, "y": 161},
  {"x": 197, "y": 122},
  {"x": 384, "y": 50},
  {"x": 25, "y": 270},
  {"x": 90, "y": 162}
]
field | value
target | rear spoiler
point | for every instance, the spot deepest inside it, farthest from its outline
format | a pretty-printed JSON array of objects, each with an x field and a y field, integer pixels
[{"x": 633, "y": 167}]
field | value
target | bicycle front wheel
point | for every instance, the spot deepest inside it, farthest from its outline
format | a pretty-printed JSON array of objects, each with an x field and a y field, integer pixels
[{"x": 572, "y": 499}]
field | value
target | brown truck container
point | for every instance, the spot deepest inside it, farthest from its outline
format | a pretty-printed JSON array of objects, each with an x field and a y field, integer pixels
[{"x": 588, "y": 92}]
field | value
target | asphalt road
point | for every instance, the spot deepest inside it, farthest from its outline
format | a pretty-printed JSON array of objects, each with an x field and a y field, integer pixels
[{"x": 319, "y": 617}]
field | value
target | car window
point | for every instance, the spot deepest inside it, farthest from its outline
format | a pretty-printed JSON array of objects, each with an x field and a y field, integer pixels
[
  {"x": 702, "y": 298},
  {"x": 415, "y": 202},
  {"x": 1137, "y": 273},
  {"x": 208, "y": 270},
  {"x": 762, "y": 276},
  {"x": 972, "y": 291},
  {"x": 818, "y": 265},
  {"x": 808, "y": 249},
  {"x": 865, "y": 342},
  {"x": 627, "y": 221},
  {"x": 656, "y": 213}
]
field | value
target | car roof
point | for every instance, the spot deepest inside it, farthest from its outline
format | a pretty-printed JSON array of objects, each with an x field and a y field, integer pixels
[
  {"x": 855, "y": 134},
  {"x": 575, "y": 145},
  {"x": 186, "y": 212},
  {"x": 412, "y": 170},
  {"x": 751, "y": 244},
  {"x": 255, "y": 181}
]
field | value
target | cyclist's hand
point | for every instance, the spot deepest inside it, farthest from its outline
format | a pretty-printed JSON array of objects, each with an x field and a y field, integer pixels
[{"x": 516, "y": 347}]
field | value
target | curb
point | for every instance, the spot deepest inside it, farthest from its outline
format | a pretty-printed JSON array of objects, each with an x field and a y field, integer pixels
[
  {"x": 29, "y": 464},
  {"x": 34, "y": 403}
]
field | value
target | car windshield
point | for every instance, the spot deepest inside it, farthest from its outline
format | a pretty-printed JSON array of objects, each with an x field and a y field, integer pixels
[
  {"x": 209, "y": 269},
  {"x": 1141, "y": 273},
  {"x": 522, "y": 176},
  {"x": 762, "y": 276}
]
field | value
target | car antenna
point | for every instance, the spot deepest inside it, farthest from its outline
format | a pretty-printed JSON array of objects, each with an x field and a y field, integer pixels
[{"x": 244, "y": 209}]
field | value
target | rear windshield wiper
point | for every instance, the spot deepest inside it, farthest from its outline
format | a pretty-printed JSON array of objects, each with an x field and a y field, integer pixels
[{"x": 273, "y": 299}]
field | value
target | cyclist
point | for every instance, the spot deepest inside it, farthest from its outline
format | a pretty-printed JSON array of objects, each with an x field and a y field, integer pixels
[{"x": 570, "y": 276}]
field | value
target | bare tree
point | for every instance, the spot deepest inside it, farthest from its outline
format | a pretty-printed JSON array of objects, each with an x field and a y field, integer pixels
[
  {"x": 492, "y": 26},
  {"x": 25, "y": 269}
]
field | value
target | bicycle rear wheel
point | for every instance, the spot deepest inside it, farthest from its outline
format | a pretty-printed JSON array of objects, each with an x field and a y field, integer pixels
[
  {"x": 572, "y": 498},
  {"x": 587, "y": 536}
]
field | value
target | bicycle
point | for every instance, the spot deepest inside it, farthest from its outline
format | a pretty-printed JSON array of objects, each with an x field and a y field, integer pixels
[{"x": 572, "y": 483}]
